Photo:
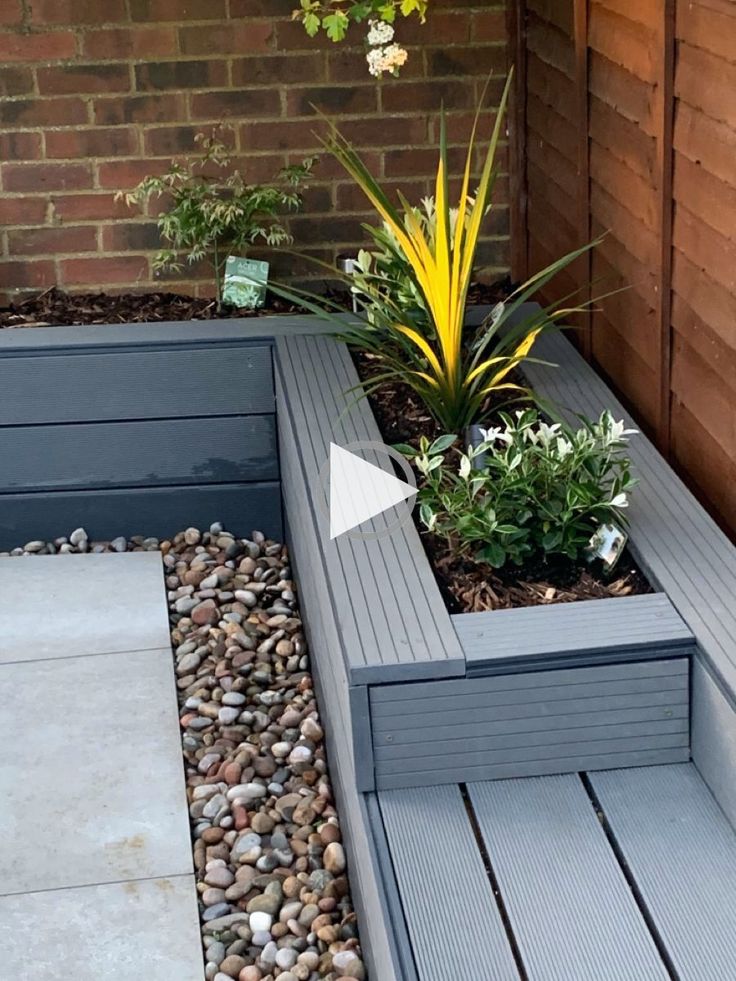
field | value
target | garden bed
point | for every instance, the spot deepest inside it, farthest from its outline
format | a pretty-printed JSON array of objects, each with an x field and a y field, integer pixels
[{"x": 267, "y": 846}]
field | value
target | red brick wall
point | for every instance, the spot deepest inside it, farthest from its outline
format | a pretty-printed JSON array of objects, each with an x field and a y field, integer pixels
[{"x": 95, "y": 94}]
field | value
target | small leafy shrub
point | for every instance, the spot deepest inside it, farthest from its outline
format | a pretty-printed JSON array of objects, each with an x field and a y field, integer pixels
[
  {"x": 528, "y": 489},
  {"x": 213, "y": 211}
]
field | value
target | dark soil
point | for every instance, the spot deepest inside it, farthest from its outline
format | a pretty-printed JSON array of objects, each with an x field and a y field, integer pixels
[
  {"x": 54, "y": 307},
  {"x": 472, "y": 587},
  {"x": 57, "y": 308}
]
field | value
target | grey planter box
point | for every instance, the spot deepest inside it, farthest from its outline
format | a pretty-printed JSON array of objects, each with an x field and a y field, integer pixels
[{"x": 139, "y": 428}]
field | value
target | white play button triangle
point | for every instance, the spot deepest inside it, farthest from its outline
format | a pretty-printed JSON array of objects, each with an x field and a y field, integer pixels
[{"x": 360, "y": 490}]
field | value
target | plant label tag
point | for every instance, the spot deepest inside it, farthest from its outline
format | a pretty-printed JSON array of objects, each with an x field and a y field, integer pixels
[
  {"x": 245, "y": 282},
  {"x": 607, "y": 544}
]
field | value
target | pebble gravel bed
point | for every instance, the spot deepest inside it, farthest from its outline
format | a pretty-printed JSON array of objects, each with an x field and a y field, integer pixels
[{"x": 273, "y": 893}]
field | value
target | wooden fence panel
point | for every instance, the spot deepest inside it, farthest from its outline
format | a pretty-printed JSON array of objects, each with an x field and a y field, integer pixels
[{"x": 629, "y": 109}]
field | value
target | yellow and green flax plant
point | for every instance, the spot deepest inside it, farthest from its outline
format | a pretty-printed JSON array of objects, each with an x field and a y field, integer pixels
[{"x": 428, "y": 347}]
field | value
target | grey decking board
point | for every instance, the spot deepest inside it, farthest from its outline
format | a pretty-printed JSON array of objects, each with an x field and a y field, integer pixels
[
  {"x": 467, "y": 747},
  {"x": 535, "y": 768},
  {"x": 610, "y": 630},
  {"x": 420, "y": 691},
  {"x": 154, "y": 452},
  {"x": 130, "y": 384},
  {"x": 451, "y": 914},
  {"x": 157, "y": 511},
  {"x": 678, "y": 543},
  {"x": 330, "y": 675},
  {"x": 532, "y": 723},
  {"x": 406, "y": 631},
  {"x": 245, "y": 330},
  {"x": 377, "y": 630},
  {"x": 714, "y": 737},
  {"x": 668, "y": 698},
  {"x": 462, "y": 760},
  {"x": 527, "y": 724},
  {"x": 681, "y": 852},
  {"x": 572, "y": 913}
]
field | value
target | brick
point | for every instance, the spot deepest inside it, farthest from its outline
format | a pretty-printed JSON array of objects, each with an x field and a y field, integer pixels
[
  {"x": 22, "y": 210},
  {"x": 45, "y": 176},
  {"x": 332, "y": 99},
  {"x": 385, "y": 131},
  {"x": 170, "y": 141},
  {"x": 403, "y": 96},
  {"x": 177, "y": 10},
  {"x": 162, "y": 75},
  {"x": 52, "y": 241},
  {"x": 15, "y": 81},
  {"x": 95, "y": 206},
  {"x": 328, "y": 168},
  {"x": 76, "y": 143},
  {"x": 263, "y": 70},
  {"x": 446, "y": 27},
  {"x": 421, "y": 161},
  {"x": 460, "y": 126},
  {"x": 243, "y": 102},
  {"x": 466, "y": 60},
  {"x": 22, "y": 275},
  {"x": 339, "y": 230},
  {"x": 139, "y": 109},
  {"x": 226, "y": 38},
  {"x": 121, "y": 42},
  {"x": 11, "y": 13},
  {"x": 38, "y": 46},
  {"x": 131, "y": 237},
  {"x": 291, "y": 36},
  {"x": 350, "y": 198},
  {"x": 279, "y": 135},
  {"x": 262, "y": 169},
  {"x": 261, "y": 8},
  {"x": 124, "y": 175},
  {"x": 488, "y": 26},
  {"x": 73, "y": 79},
  {"x": 20, "y": 146},
  {"x": 78, "y": 11},
  {"x": 42, "y": 112},
  {"x": 103, "y": 271}
]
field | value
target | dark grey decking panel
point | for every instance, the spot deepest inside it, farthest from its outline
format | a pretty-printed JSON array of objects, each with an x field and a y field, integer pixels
[
  {"x": 156, "y": 511},
  {"x": 681, "y": 853},
  {"x": 713, "y": 737},
  {"x": 331, "y": 681},
  {"x": 154, "y": 452},
  {"x": 608, "y": 631},
  {"x": 392, "y": 620},
  {"x": 451, "y": 913},
  {"x": 128, "y": 384},
  {"x": 530, "y": 723},
  {"x": 569, "y": 905}
]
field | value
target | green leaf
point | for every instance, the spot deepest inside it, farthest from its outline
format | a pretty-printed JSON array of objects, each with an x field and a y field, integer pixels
[
  {"x": 311, "y": 24},
  {"x": 405, "y": 449},
  {"x": 442, "y": 443},
  {"x": 336, "y": 25},
  {"x": 493, "y": 554}
]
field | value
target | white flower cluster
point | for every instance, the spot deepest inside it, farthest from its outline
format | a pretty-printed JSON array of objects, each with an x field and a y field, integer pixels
[{"x": 384, "y": 54}]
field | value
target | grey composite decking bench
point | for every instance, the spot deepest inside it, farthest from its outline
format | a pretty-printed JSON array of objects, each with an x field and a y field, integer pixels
[
  {"x": 612, "y": 722},
  {"x": 607, "y": 850}
]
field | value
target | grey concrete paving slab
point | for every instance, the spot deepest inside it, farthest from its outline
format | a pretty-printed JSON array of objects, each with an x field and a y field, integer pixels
[
  {"x": 91, "y": 782},
  {"x": 127, "y": 931},
  {"x": 67, "y": 605}
]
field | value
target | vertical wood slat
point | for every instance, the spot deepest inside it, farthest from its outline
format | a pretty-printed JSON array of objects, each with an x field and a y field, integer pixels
[
  {"x": 516, "y": 27},
  {"x": 664, "y": 115},
  {"x": 580, "y": 22}
]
